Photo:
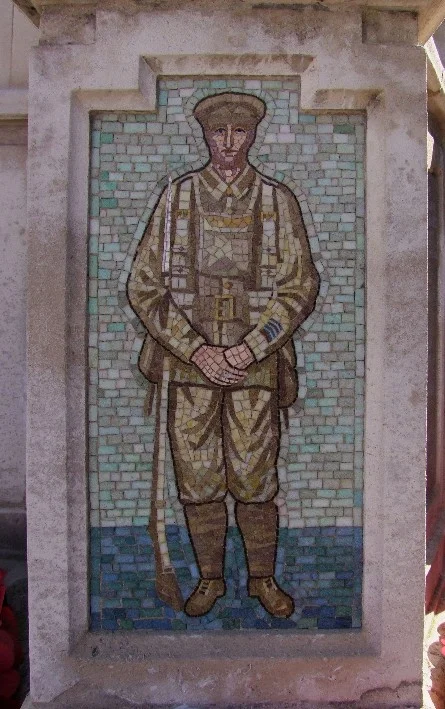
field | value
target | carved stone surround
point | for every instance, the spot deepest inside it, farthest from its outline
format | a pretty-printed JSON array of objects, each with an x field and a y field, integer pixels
[
  {"x": 430, "y": 13},
  {"x": 116, "y": 68}
]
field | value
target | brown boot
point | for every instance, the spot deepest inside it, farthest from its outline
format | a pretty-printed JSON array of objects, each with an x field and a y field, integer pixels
[
  {"x": 271, "y": 596},
  {"x": 204, "y": 597},
  {"x": 258, "y": 524},
  {"x": 207, "y": 525}
]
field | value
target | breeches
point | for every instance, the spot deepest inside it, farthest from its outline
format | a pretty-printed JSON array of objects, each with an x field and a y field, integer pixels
[{"x": 224, "y": 440}]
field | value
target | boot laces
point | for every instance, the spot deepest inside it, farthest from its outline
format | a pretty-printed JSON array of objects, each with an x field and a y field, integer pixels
[
  {"x": 270, "y": 583},
  {"x": 204, "y": 586}
]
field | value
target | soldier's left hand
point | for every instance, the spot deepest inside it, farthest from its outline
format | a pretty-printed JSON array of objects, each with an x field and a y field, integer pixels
[
  {"x": 212, "y": 363},
  {"x": 239, "y": 356}
]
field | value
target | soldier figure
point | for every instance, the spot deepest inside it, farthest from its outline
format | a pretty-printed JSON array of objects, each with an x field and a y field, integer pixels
[{"x": 221, "y": 298}]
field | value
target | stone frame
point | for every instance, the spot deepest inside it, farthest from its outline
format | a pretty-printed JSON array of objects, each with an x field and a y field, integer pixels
[{"x": 66, "y": 83}]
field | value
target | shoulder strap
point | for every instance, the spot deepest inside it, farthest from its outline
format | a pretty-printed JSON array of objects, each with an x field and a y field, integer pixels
[
  {"x": 268, "y": 264},
  {"x": 180, "y": 247},
  {"x": 167, "y": 230}
]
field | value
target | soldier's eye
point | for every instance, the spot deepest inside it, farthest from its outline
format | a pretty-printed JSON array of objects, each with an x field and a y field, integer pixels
[
  {"x": 220, "y": 131},
  {"x": 240, "y": 131}
]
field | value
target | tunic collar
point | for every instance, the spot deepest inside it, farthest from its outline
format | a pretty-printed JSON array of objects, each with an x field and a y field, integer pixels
[{"x": 218, "y": 188}]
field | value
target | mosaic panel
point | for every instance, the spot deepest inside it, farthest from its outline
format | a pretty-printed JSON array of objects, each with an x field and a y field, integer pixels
[{"x": 222, "y": 264}]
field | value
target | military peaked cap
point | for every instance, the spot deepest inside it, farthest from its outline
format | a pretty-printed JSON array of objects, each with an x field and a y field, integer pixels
[{"x": 243, "y": 110}]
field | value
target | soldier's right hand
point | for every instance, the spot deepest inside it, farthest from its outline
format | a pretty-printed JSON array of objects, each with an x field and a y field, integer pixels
[{"x": 211, "y": 362}]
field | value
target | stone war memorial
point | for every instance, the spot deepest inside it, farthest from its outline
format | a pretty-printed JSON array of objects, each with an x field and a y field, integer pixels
[{"x": 227, "y": 353}]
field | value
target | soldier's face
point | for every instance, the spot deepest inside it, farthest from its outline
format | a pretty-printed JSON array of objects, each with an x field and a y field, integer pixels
[{"x": 229, "y": 145}]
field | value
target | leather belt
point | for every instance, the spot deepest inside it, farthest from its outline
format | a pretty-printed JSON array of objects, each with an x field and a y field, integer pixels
[{"x": 222, "y": 308}]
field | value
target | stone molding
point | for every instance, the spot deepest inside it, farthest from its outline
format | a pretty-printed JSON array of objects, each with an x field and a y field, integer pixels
[
  {"x": 435, "y": 82},
  {"x": 390, "y": 27},
  {"x": 430, "y": 17},
  {"x": 403, "y": 697},
  {"x": 13, "y": 104},
  {"x": 431, "y": 12}
]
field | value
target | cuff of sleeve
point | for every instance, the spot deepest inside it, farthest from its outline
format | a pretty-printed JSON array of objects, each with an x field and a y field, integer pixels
[
  {"x": 192, "y": 347},
  {"x": 258, "y": 344}
]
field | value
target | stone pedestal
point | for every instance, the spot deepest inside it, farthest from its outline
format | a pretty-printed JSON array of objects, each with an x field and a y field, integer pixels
[{"x": 110, "y": 60}]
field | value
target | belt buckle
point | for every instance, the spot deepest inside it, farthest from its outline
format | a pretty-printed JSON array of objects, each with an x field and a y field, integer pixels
[{"x": 224, "y": 308}]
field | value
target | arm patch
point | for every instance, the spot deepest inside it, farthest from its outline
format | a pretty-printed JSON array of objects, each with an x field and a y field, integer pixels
[{"x": 271, "y": 329}]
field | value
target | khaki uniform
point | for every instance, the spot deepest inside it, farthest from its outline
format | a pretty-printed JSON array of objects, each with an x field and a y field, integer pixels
[
  {"x": 237, "y": 268},
  {"x": 224, "y": 440}
]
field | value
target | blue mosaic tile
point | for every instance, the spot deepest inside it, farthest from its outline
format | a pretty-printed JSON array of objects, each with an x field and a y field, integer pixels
[{"x": 133, "y": 598}]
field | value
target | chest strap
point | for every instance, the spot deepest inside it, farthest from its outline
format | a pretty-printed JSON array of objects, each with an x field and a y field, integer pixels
[
  {"x": 179, "y": 266},
  {"x": 268, "y": 263},
  {"x": 178, "y": 256}
]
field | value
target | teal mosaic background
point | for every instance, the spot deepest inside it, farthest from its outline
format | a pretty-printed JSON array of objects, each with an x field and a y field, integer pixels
[{"x": 320, "y": 157}]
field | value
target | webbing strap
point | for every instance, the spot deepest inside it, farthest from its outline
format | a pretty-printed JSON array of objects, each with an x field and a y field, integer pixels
[{"x": 179, "y": 265}]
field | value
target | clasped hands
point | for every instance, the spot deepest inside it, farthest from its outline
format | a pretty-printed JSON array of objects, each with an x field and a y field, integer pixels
[{"x": 223, "y": 366}]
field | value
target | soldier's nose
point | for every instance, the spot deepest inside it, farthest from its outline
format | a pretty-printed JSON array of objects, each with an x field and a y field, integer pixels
[{"x": 229, "y": 136}]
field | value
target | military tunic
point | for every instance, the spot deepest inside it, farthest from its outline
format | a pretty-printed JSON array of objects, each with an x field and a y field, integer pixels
[{"x": 237, "y": 267}]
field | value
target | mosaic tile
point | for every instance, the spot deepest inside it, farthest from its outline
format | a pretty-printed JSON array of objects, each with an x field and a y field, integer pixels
[
  {"x": 319, "y": 566},
  {"x": 317, "y": 160}
]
